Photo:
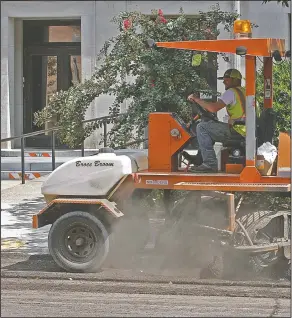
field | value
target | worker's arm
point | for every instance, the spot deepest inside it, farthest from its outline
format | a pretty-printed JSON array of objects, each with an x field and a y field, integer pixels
[{"x": 210, "y": 106}]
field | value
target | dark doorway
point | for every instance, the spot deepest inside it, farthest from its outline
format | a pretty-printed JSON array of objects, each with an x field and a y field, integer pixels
[{"x": 52, "y": 62}]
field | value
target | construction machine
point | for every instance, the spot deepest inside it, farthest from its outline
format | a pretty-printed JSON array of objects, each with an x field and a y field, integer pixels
[{"x": 88, "y": 197}]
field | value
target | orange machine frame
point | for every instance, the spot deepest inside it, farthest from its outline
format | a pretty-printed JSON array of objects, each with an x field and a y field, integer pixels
[
  {"x": 162, "y": 146},
  {"x": 160, "y": 174}
]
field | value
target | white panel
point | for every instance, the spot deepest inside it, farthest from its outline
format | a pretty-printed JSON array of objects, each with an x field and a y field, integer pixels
[
  {"x": 104, "y": 30},
  {"x": 5, "y": 112},
  {"x": 4, "y": 60},
  {"x": 18, "y": 83},
  {"x": 172, "y": 7},
  {"x": 4, "y": 32},
  {"x": 270, "y": 17},
  {"x": 46, "y": 9},
  {"x": 7, "y": 77}
]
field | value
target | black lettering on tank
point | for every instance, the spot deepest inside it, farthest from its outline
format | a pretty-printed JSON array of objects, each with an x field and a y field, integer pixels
[
  {"x": 103, "y": 164},
  {"x": 83, "y": 164}
]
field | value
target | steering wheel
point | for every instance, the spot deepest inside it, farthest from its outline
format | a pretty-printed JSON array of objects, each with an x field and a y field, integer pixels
[{"x": 204, "y": 113}]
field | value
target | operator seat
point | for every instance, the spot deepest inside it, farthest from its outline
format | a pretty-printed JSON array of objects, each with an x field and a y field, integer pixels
[
  {"x": 265, "y": 126},
  {"x": 235, "y": 146}
]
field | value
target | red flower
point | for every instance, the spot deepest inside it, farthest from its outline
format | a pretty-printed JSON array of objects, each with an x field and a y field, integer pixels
[
  {"x": 160, "y": 12},
  {"x": 163, "y": 20},
  {"x": 127, "y": 24},
  {"x": 209, "y": 34}
]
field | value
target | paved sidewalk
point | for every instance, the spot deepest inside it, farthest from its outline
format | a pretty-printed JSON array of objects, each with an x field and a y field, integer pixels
[
  {"x": 18, "y": 203},
  {"x": 6, "y": 184}
]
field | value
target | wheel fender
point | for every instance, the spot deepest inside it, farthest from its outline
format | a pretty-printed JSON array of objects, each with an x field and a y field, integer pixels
[{"x": 41, "y": 219}]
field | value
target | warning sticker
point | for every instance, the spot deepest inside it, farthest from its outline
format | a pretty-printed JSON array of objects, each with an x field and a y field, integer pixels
[
  {"x": 159, "y": 182},
  {"x": 268, "y": 88}
]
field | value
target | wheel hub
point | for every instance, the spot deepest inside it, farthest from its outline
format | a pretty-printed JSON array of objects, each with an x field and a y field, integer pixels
[{"x": 80, "y": 241}]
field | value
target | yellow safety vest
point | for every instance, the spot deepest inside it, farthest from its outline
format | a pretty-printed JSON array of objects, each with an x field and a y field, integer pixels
[{"x": 237, "y": 111}]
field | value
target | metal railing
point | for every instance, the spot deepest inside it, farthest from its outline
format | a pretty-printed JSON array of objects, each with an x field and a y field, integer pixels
[{"x": 105, "y": 121}]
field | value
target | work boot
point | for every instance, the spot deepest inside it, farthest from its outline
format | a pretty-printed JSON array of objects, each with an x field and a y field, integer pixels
[
  {"x": 195, "y": 160},
  {"x": 203, "y": 168}
]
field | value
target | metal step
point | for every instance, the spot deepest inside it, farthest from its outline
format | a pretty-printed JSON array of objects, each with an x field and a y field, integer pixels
[{"x": 261, "y": 187}]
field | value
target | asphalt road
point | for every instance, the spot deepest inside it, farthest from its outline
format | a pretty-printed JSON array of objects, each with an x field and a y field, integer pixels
[
  {"x": 70, "y": 298},
  {"x": 33, "y": 286}
]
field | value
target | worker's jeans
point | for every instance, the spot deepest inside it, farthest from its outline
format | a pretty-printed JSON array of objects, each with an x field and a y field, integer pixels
[{"x": 209, "y": 132}]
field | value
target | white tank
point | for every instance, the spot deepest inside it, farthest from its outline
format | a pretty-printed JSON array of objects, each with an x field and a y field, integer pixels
[{"x": 94, "y": 175}]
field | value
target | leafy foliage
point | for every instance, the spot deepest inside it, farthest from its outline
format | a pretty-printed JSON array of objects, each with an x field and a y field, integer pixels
[
  {"x": 285, "y": 3},
  {"x": 149, "y": 80},
  {"x": 266, "y": 200},
  {"x": 281, "y": 95},
  {"x": 282, "y": 108}
]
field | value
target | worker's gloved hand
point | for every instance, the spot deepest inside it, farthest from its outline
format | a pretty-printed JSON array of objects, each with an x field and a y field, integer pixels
[
  {"x": 230, "y": 122},
  {"x": 192, "y": 98}
]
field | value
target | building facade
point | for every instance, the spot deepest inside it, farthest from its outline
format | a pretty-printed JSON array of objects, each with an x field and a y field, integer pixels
[{"x": 49, "y": 45}]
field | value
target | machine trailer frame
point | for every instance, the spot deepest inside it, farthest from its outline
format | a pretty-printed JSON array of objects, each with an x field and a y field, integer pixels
[{"x": 168, "y": 136}]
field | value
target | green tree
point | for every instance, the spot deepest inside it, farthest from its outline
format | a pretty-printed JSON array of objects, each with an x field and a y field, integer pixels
[
  {"x": 281, "y": 94},
  {"x": 282, "y": 108},
  {"x": 285, "y": 3},
  {"x": 160, "y": 80}
]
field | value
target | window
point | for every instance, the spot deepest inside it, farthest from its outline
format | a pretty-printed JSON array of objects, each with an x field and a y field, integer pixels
[
  {"x": 51, "y": 31},
  {"x": 64, "y": 33}
]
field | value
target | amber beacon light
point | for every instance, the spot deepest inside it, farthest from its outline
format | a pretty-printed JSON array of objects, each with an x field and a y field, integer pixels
[{"x": 242, "y": 29}]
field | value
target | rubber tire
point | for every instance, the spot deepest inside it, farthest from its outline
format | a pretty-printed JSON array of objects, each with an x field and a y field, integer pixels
[{"x": 56, "y": 232}]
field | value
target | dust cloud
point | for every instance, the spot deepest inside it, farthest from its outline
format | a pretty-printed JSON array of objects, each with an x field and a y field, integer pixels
[{"x": 150, "y": 240}]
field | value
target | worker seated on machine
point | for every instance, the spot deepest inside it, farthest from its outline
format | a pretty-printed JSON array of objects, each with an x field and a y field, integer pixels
[{"x": 209, "y": 132}]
